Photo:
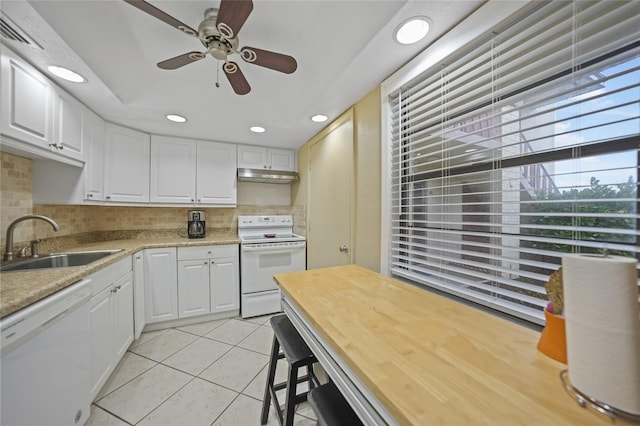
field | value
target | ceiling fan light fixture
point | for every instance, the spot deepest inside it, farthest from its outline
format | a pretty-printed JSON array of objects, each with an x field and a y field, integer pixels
[
  {"x": 66, "y": 74},
  {"x": 176, "y": 118},
  {"x": 257, "y": 129},
  {"x": 319, "y": 118},
  {"x": 412, "y": 30}
]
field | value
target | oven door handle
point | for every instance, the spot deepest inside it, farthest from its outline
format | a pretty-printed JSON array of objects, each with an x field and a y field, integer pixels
[{"x": 271, "y": 247}]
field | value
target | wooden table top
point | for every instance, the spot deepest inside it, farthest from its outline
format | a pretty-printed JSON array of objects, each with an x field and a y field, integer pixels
[{"x": 431, "y": 360}]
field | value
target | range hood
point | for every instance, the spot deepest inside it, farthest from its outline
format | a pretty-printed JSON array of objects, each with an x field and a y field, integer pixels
[{"x": 266, "y": 176}]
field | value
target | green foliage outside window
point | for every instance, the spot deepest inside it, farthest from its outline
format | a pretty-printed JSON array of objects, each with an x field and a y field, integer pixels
[{"x": 608, "y": 203}]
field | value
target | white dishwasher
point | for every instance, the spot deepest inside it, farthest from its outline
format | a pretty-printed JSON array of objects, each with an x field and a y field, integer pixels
[{"x": 46, "y": 361}]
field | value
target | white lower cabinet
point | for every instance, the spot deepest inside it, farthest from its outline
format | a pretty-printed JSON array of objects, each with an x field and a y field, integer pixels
[
  {"x": 187, "y": 282},
  {"x": 193, "y": 288},
  {"x": 160, "y": 284},
  {"x": 111, "y": 317},
  {"x": 208, "y": 280},
  {"x": 123, "y": 314},
  {"x": 139, "y": 320},
  {"x": 225, "y": 284}
]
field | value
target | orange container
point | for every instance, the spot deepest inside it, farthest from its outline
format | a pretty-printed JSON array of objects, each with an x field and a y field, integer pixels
[{"x": 553, "y": 339}]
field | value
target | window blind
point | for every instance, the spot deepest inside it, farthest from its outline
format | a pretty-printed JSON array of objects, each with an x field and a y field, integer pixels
[{"x": 519, "y": 149}]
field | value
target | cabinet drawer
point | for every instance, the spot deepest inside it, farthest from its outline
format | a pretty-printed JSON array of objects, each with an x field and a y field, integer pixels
[
  {"x": 108, "y": 275},
  {"x": 205, "y": 252}
]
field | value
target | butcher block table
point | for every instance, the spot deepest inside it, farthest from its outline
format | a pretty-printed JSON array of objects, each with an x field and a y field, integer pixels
[{"x": 404, "y": 355}]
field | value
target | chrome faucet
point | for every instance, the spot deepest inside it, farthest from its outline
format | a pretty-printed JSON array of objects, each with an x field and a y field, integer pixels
[{"x": 8, "y": 255}]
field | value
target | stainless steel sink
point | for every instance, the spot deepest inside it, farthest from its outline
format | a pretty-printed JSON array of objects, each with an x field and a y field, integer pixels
[{"x": 57, "y": 260}]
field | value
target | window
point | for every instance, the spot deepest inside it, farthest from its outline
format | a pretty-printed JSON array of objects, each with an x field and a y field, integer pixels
[{"x": 517, "y": 150}]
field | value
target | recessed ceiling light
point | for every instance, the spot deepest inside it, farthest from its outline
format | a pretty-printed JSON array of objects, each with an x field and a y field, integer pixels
[
  {"x": 412, "y": 30},
  {"x": 176, "y": 118},
  {"x": 319, "y": 118},
  {"x": 257, "y": 129},
  {"x": 66, "y": 74}
]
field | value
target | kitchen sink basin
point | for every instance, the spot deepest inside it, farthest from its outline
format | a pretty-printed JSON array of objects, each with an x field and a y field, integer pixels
[{"x": 57, "y": 260}]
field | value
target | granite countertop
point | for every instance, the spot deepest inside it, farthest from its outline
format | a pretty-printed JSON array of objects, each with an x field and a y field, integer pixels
[{"x": 22, "y": 288}]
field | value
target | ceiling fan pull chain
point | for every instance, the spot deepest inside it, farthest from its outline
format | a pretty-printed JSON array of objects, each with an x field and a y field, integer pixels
[{"x": 218, "y": 77}]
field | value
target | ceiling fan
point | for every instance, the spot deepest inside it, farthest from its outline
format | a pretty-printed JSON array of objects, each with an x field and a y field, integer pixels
[{"x": 218, "y": 32}]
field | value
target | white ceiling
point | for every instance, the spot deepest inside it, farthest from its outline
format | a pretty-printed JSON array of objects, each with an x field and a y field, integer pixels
[{"x": 343, "y": 48}]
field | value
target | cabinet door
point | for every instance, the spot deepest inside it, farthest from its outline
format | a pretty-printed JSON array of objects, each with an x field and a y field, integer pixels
[
  {"x": 252, "y": 157},
  {"x": 216, "y": 173},
  {"x": 126, "y": 174},
  {"x": 102, "y": 353},
  {"x": 138, "y": 294},
  {"x": 160, "y": 285},
  {"x": 93, "y": 129},
  {"x": 281, "y": 159},
  {"x": 225, "y": 284},
  {"x": 27, "y": 102},
  {"x": 68, "y": 135},
  {"x": 193, "y": 288},
  {"x": 123, "y": 315},
  {"x": 173, "y": 170}
]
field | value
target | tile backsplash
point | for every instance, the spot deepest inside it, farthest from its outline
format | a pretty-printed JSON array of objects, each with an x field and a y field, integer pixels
[
  {"x": 16, "y": 201},
  {"x": 15, "y": 195}
]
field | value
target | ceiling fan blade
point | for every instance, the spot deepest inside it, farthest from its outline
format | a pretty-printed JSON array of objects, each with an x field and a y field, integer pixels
[
  {"x": 164, "y": 17},
  {"x": 180, "y": 61},
  {"x": 236, "y": 78},
  {"x": 275, "y": 61},
  {"x": 232, "y": 15}
]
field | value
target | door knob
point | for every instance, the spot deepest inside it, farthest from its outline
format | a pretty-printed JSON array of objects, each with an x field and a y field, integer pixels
[{"x": 343, "y": 248}]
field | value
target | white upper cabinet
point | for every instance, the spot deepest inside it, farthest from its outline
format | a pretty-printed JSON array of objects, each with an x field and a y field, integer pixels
[
  {"x": 258, "y": 157},
  {"x": 93, "y": 130},
  {"x": 126, "y": 165},
  {"x": 281, "y": 159},
  {"x": 68, "y": 137},
  {"x": 55, "y": 182},
  {"x": 185, "y": 171},
  {"x": 27, "y": 102},
  {"x": 173, "y": 170},
  {"x": 39, "y": 119},
  {"x": 216, "y": 181}
]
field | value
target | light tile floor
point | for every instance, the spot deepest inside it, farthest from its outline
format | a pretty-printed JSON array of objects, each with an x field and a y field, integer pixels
[{"x": 212, "y": 373}]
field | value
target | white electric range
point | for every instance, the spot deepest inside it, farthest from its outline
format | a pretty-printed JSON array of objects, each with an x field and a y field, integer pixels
[{"x": 268, "y": 246}]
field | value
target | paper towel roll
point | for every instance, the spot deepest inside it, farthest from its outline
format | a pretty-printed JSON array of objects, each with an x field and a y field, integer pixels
[{"x": 603, "y": 328}]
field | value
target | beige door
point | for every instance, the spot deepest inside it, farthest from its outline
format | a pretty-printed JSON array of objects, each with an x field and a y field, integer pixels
[{"x": 330, "y": 196}]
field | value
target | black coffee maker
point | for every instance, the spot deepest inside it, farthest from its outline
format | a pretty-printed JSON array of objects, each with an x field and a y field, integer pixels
[{"x": 195, "y": 224}]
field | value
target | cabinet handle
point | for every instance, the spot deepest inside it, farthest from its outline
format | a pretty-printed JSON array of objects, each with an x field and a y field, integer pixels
[
  {"x": 108, "y": 197},
  {"x": 199, "y": 200},
  {"x": 60, "y": 146},
  {"x": 137, "y": 257},
  {"x": 53, "y": 145},
  {"x": 206, "y": 263},
  {"x": 89, "y": 195},
  {"x": 192, "y": 200}
]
